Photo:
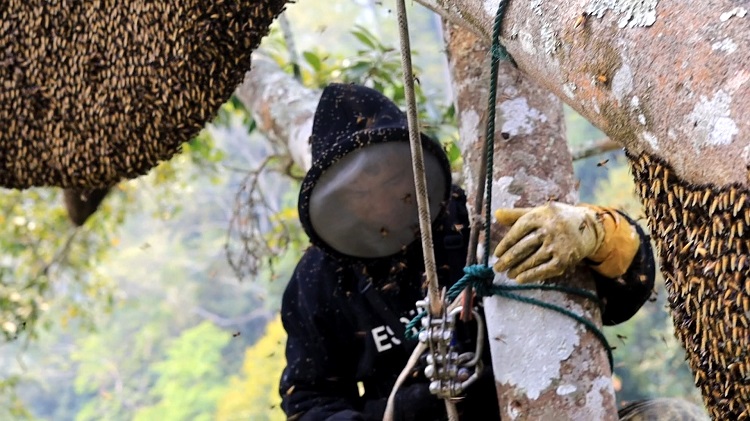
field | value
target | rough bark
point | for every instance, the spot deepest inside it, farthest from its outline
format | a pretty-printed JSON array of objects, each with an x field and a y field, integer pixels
[{"x": 546, "y": 365}]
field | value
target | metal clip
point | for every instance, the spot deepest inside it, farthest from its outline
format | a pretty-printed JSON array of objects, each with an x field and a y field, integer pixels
[{"x": 450, "y": 373}]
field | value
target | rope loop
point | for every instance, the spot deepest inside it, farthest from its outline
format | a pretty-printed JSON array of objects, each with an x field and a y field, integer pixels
[{"x": 498, "y": 51}]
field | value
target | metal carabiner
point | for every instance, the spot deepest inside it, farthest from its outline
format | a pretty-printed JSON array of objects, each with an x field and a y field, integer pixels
[{"x": 474, "y": 359}]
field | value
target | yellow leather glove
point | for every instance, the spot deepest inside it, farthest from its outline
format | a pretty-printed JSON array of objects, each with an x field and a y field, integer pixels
[{"x": 545, "y": 241}]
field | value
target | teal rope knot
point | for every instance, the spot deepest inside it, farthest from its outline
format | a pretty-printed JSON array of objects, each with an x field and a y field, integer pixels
[
  {"x": 478, "y": 276},
  {"x": 498, "y": 51}
]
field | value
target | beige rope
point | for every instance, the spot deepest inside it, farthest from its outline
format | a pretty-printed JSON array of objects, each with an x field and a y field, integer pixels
[
  {"x": 423, "y": 207},
  {"x": 420, "y": 180}
]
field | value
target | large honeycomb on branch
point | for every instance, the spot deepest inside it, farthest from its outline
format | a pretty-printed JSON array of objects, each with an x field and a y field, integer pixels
[
  {"x": 702, "y": 233},
  {"x": 94, "y": 91}
]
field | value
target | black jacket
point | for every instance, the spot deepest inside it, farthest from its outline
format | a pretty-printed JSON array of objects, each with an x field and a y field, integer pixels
[{"x": 340, "y": 336}]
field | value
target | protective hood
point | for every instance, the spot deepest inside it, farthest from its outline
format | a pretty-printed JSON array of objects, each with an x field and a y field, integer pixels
[{"x": 358, "y": 198}]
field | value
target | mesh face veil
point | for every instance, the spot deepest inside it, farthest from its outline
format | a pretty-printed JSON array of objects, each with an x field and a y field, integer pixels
[{"x": 365, "y": 204}]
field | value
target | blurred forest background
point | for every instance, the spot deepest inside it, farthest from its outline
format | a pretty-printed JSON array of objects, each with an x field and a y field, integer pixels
[{"x": 154, "y": 309}]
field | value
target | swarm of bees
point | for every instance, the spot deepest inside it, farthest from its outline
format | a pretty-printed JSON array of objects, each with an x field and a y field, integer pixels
[
  {"x": 702, "y": 234},
  {"x": 96, "y": 91}
]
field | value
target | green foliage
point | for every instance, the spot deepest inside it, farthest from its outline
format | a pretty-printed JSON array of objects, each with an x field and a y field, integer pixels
[
  {"x": 42, "y": 249},
  {"x": 189, "y": 379},
  {"x": 10, "y": 405}
]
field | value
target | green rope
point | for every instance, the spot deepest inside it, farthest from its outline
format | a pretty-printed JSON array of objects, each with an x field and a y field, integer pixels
[{"x": 498, "y": 53}]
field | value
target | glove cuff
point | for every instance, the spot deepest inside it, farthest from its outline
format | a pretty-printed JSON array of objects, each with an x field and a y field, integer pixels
[{"x": 619, "y": 245}]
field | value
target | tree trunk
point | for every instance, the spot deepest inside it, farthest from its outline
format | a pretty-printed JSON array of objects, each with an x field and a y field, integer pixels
[{"x": 546, "y": 365}]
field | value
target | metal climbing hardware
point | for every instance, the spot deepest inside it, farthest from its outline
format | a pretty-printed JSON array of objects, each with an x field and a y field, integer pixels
[{"x": 449, "y": 371}]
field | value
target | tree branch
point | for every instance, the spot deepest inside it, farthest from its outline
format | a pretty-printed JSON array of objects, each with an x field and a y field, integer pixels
[
  {"x": 221, "y": 321},
  {"x": 281, "y": 106},
  {"x": 594, "y": 147},
  {"x": 667, "y": 81}
]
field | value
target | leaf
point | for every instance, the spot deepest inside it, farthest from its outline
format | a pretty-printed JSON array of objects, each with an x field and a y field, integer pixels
[
  {"x": 313, "y": 60},
  {"x": 453, "y": 152},
  {"x": 365, "y": 37}
]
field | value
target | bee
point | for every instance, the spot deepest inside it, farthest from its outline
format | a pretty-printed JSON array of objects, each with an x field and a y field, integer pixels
[
  {"x": 581, "y": 20},
  {"x": 602, "y": 163},
  {"x": 602, "y": 79},
  {"x": 389, "y": 286},
  {"x": 398, "y": 267},
  {"x": 235, "y": 334}
]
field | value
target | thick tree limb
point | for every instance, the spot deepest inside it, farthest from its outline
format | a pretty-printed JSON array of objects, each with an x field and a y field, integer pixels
[{"x": 664, "y": 77}]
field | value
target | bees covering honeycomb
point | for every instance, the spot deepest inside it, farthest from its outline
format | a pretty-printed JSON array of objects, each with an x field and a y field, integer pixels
[
  {"x": 702, "y": 234},
  {"x": 100, "y": 90}
]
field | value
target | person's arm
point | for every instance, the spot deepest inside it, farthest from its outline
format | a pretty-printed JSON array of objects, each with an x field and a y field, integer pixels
[
  {"x": 625, "y": 273},
  {"x": 547, "y": 240},
  {"x": 315, "y": 384}
]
